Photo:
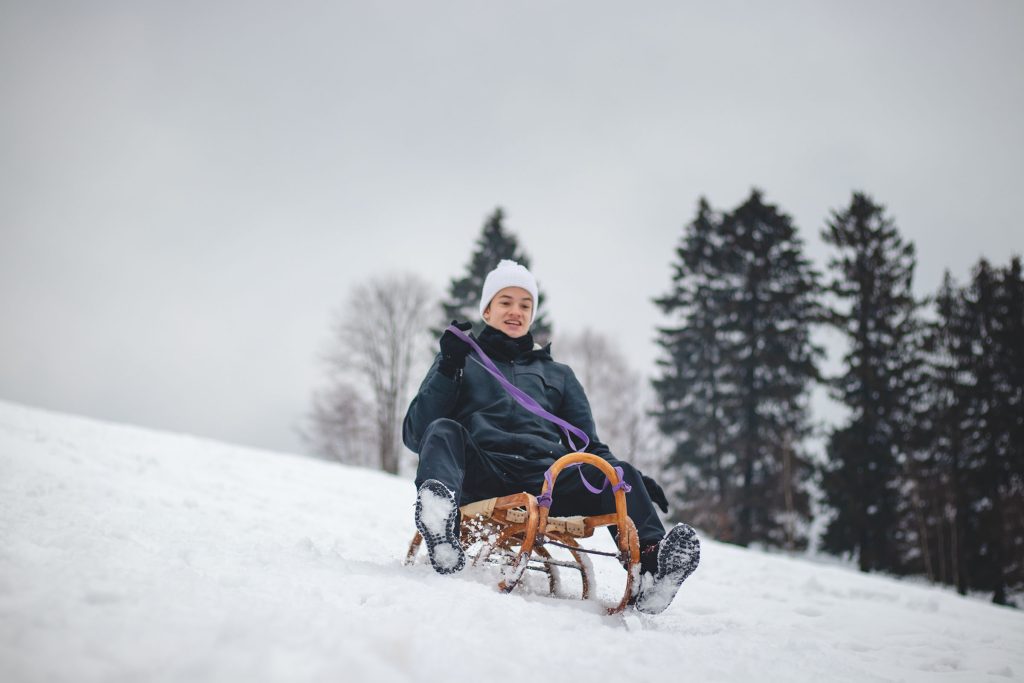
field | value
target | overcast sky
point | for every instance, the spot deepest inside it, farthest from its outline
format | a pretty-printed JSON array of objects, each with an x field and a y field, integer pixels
[{"x": 189, "y": 189}]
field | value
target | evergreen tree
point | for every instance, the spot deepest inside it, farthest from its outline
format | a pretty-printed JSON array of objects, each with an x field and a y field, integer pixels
[
  {"x": 1011, "y": 341},
  {"x": 463, "y": 301},
  {"x": 692, "y": 407},
  {"x": 734, "y": 381},
  {"x": 769, "y": 320},
  {"x": 940, "y": 431},
  {"x": 972, "y": 433},
  {"x": 865, "y": 478},
  {"x": 993, "y": 398}
]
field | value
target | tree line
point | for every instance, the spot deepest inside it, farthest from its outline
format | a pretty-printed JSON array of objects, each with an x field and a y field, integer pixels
[{"x": 925, "y": 476}]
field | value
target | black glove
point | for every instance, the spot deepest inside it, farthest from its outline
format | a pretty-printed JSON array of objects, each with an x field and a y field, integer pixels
[
  {"x": 453, "y": 351},
  {"x": 656, "y": 493}
]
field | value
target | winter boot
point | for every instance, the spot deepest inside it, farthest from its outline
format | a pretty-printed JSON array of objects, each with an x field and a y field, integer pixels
[
  {"x": 437, "y": 519},
  {"x": 664, "y": 567}
]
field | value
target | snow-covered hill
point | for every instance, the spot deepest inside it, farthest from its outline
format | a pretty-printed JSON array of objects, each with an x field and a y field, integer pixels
[{"x": 130, "y": 555}]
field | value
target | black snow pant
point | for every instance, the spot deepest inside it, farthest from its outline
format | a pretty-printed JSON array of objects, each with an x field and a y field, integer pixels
[{"x": 449, "y": 455}]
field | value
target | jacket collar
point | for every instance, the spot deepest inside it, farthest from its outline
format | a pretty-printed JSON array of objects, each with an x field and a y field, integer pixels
[{"x": 500, "y": 346}]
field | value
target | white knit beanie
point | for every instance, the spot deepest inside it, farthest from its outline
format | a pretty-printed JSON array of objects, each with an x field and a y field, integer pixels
[{"x": 508, "y": 274}]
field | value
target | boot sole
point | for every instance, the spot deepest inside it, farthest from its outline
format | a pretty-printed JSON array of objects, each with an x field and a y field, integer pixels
[
  {"x": 677, "y": 559},
  {"x": 437, "y": 518}
]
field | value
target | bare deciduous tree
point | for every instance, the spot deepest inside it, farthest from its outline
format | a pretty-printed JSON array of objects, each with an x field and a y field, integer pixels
[
  {"x": 339, "y": 425},
  {"x": 377, "y": 338}
]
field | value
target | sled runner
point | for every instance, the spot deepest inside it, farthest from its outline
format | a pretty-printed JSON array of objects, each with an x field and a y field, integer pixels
[{"x": 516, "y": 531}]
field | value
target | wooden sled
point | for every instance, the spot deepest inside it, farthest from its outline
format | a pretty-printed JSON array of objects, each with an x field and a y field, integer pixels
[{"x": 509, "y": 528}]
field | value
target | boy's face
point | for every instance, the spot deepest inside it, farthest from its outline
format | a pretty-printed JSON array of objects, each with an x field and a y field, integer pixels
[{"x": 511, "y": 311}]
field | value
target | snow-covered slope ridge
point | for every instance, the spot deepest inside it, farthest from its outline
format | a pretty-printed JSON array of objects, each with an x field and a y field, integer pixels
[{"x": 130, "y": 555}]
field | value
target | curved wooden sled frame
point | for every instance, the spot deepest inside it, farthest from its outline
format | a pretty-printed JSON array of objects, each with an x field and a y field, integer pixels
[{"x": 514, "y": 523}]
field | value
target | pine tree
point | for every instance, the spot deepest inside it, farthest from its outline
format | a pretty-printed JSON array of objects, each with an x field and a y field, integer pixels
[
  {"x": 972, "y": 430},
  {"x": 993, "y": 398},
  {"x": 940, "y": 431},
  {"x": 693, "y": 409},
  {"x": 1011, "y": 341},
  {"x": 739, "y": 361},
  {"x": 865, "y": 478},
  {"x": 494, "y": 244},
  {"x": 769, "y": 320}
]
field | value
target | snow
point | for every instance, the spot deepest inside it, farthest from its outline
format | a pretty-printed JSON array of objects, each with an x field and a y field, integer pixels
[
  {"x": 436, "y": 510},
  {"x": 128, "y": 554}
]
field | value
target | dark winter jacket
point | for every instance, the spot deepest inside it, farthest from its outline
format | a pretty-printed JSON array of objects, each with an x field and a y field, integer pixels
[{"x": 494, "y": 420}]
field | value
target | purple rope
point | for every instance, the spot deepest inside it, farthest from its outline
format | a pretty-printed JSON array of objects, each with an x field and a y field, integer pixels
[
  {"x": 531, "y": 404},
  {"x": 544, "y": 500}
]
